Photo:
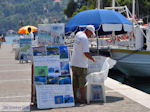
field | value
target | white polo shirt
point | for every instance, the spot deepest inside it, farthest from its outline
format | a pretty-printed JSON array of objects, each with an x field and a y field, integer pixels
[
  {"x": 31, "y": 35},
  {"x": 81, "y": 45}
]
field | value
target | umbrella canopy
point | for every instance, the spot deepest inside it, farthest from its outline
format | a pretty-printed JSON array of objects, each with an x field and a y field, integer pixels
[
  {"x": 104, "y": 19},
  {"x": 24, "y": 29}
]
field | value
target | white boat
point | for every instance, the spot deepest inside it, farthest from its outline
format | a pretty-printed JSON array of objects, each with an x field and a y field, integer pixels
[{"x": 132, "y": 62}]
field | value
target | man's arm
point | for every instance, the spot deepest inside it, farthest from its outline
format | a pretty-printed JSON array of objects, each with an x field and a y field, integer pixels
[{"x": 87, "y": 54}]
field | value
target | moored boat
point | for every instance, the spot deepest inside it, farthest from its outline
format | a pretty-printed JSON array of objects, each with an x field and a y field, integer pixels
[{"x": 132, "y": 62}]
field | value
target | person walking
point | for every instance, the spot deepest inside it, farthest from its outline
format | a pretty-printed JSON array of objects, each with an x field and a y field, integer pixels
[
  {"x": 79, "y": 62},
  {"x": 0, "y": 44},
  {"x": 31, "y": 33},
  {"x": 2, "y": 39}
]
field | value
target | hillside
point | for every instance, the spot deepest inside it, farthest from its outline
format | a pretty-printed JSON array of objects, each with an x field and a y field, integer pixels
[{"x": 16, "y": 13}]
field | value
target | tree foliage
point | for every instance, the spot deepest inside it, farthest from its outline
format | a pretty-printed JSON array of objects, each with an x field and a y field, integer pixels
[
  {"x": 142, "y": 6},
  {"x": 71, "y": 8},
  {"x": 16, "y": 13}
]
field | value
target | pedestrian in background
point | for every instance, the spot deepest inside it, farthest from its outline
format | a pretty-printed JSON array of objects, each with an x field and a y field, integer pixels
[
  {"x": 2, "y": 39},
  {"x": 31, "y": 33}
]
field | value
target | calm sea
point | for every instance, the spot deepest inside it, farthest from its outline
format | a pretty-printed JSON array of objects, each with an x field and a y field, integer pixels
[
  {"x": 9, "y": 39},
  {"x": 139, "y": 83}
]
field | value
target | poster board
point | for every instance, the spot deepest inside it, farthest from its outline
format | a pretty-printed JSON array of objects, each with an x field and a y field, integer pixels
[
  {"x": 25, "y": 45},
  {"x": 51, "y": 34},
  {"x": 52, "y": 77},
  {"x": 97, "y": 93}
]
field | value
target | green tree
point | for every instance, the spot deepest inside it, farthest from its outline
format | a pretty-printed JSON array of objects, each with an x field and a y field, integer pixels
[
  {"x": 76, "y": 7},
  {"x": 142, "y": 6},
  {"x": 16, "y": 13},
  {"x": 71, "y": 8}
]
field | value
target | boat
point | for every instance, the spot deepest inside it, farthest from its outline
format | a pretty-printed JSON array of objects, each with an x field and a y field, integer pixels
[
  {"x": 133, "y": 63},
  {"x": 134, "y": 60}
]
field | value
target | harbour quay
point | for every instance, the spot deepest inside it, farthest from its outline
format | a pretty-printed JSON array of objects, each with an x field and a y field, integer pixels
[{"x": 15, "y": 91}]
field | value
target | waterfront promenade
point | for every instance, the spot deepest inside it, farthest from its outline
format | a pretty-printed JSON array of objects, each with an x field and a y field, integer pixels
[
  {"x": 15, "y": 80},
  {"x": 15, "y": 91}
]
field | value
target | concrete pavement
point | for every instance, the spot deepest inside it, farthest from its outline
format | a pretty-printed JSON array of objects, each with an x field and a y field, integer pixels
[
  {"x": 15, "y": 91},
  {"x": 15, "y": 81}
]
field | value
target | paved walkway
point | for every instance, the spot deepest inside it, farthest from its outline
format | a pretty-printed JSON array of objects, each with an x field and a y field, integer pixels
[
  {"x": 15, "y": 91},
  {"x": 15, "y": 81}
]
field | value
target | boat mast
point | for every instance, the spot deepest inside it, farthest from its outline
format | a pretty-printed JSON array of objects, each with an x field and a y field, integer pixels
[
  {"x": 113, "y": 32},
  {"x": 113, "y": 4},
  {"x": 98, "y": 4},
  {"x": 133, "y": 10}
]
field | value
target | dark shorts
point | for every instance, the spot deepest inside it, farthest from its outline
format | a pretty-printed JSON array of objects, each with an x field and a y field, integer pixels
[{"x": 79, "y": 77}]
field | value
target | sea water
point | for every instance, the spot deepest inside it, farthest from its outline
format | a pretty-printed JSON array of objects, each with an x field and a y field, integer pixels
[
  {"x": 140, "y": 83},
  {"x": 9, "y": 39}
]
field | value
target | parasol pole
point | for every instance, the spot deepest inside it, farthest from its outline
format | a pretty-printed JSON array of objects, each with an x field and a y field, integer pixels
[
  {"x": 97, "y": 42},
  {"x": 98, "y": 6}
]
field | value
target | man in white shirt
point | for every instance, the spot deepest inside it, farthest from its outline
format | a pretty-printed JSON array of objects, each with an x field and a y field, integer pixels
[
  {"x": 79, "y": 61},
  {"x": 31, "y": 33}
]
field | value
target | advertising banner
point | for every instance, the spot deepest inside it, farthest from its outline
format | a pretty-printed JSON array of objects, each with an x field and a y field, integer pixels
[{"x": 25, "y": 48}]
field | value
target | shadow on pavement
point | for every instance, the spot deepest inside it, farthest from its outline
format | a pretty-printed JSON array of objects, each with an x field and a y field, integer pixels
[{"x": 111, "y": 99}]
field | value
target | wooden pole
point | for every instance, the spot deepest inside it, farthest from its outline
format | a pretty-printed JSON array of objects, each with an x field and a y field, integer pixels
[{"x": 33, "y": 96}]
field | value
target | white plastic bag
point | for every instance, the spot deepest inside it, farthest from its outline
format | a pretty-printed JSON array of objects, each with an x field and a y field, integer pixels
[{"x": 98, "y": 71}]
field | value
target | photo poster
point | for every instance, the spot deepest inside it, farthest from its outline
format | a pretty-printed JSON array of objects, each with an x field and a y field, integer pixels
[
  {"x": 52, "y": 77},
  {"x": 51, "y": 34},
  {"x": 57, "y": 32},
  {"x": 97, "y": 93},
  {"x": 25, "y": 45},
  {"x": 44, "y": 35}
]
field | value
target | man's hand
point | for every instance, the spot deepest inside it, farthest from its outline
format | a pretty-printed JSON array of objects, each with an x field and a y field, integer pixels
[
  {"x": 87, "y": 54},
  {"x": 94, "y": 60}
]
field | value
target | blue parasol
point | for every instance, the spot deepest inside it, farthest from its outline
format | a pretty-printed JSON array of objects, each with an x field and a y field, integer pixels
[{"x": 102, "y": 19}]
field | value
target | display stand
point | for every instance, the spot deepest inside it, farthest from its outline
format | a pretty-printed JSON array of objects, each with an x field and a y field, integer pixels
[
  {"x": 96, "y": 92},
  {"x": 51, "y": 78},
  {"x": 25, "y": 53},
  {"x": 97, "y": 73}
]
